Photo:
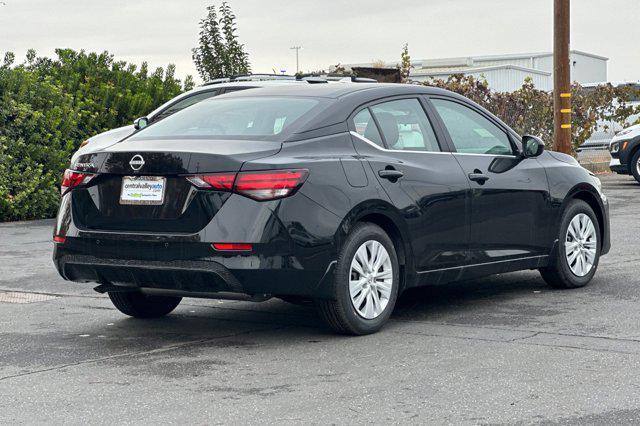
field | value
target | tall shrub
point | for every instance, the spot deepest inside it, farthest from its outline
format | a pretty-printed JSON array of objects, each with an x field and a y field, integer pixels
[{"x": 48, "y": 106}]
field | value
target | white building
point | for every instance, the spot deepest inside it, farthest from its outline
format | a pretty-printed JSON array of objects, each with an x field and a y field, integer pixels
[{"x": 506, "y": 73}]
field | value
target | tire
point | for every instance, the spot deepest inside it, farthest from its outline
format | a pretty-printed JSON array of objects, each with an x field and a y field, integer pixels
[
  {"x": 563, "y": 274},
  {"x": 634, "y": 166},
  {"x": 139, "y": 305},
  {"x": 341, "y": 314}
]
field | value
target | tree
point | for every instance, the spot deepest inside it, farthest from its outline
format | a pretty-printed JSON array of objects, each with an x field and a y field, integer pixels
[
  {"x": 236, "y": 59},
  {"x": 219, "y": 53},
  {"x": 405, "y": 63}
]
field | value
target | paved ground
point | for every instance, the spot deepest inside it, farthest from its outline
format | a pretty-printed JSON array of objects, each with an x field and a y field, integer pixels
[{"x": 505, "y": 349}]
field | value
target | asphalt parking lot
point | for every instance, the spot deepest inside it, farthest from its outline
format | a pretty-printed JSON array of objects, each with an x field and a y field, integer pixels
[{"x": 504, "y": 349}]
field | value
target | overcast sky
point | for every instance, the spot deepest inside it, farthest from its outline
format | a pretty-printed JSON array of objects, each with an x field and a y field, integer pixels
[{"x": 164, "y": 31}]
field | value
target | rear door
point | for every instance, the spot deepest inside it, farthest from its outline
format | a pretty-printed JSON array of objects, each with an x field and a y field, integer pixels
[
  {"x": 509, "y": 195},
  {"x": 421, "y": 178}
]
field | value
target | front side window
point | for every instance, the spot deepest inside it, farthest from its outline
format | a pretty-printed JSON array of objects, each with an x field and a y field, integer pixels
[
  {"x": 262, "y": 118},
  {"x": 366, "y": 127},
  {"x": 405, "y": 126},
  {"x": 470, "y": 131}
]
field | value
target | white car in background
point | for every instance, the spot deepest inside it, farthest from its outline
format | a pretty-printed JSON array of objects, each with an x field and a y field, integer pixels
[{"x": 208, "y": 90}]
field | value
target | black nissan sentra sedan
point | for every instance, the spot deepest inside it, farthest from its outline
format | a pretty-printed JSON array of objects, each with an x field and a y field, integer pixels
[{"x": 343, "y": 194}]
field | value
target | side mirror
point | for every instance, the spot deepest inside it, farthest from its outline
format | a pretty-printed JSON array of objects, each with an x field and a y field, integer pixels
[
  {"x": 141, "y": 123},
  {"x": 532, "y": 146}
]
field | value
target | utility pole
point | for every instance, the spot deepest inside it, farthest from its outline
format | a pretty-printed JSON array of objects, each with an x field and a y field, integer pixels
[
  {"x": 297, "y": 49},
  {"x": 561, "y": 77}
]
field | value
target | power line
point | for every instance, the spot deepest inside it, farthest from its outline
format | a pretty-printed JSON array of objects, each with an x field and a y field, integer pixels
[{"x": 297, "y": 49}]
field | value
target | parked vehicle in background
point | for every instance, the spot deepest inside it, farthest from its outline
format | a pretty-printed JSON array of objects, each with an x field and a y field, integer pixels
[
  {"x": 625, "y": 152},
  {"x": 208, "y": 90},
  {"x": 343, "y": 194},
  {"x": 596, "y": 148}
]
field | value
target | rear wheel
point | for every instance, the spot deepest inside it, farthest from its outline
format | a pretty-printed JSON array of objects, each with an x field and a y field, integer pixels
[
  {"x": 365, "y": 284},
  {"x": 635, "y": 165},
  {"x": 575, "y": 260},
  {"x": 140, "y": 305}
]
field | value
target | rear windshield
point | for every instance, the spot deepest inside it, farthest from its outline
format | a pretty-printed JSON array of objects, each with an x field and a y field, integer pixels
[{"x": 262, "y": 118}]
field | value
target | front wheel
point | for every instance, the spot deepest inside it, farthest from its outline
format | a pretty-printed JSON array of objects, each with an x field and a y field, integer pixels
[
  {"x": 140, "y": 305},
  {"x": 366, "y": 283},
  {"x": 574, "y": 262}
]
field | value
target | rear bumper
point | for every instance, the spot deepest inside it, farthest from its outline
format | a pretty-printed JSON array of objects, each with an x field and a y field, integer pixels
[
  {"x": 292, "y": 251},
  {"x": 244, "y": 275}
]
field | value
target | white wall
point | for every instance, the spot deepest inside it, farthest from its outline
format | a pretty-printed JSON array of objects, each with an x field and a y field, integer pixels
[
  {"x": 503, "y": 80},
  {"x": 587, "y": 69}
]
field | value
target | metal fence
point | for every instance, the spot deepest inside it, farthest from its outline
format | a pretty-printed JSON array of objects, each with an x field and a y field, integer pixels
[{"x": 595, "y": 159}]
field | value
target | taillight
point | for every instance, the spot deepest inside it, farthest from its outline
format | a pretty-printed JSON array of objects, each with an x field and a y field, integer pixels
[
  {"x": 262, "y": 185},
  {"x": 269, "y": 185},
  {"x": 219, "y": 181},
  {"x": 72, "y": 179},
  {"x": 59, "y": 239}
]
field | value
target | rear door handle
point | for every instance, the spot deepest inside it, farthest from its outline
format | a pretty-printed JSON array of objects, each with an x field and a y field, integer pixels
[
  {"x": 478, "y": 176},
  {"x": 390, "y": 174}
]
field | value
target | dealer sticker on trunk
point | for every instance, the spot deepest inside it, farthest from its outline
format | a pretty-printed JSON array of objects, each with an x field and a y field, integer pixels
[{"x": 147, "y": 190}]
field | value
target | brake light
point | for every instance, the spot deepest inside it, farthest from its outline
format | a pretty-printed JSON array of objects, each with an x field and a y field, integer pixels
[
  {"x": 72, "y": 179},
  {"x": 59, "y": 239},
  {"x": 262, "y": 185},
  {"x": 232, "y": 246},
  {"x": 269, "y": 185}
]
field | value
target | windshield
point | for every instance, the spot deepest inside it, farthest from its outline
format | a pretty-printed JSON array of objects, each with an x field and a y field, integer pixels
[{"x": 262, "y": 118}]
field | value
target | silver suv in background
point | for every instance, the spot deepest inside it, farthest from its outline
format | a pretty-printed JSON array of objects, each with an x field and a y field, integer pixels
[{"x": 625, "y": 152}]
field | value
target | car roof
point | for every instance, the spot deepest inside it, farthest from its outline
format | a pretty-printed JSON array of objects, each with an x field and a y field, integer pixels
[
  {"x": 246, "y": 83},
  {"x": 338, "y": 90}
]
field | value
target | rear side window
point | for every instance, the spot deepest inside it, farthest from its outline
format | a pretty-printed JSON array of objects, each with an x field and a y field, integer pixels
[
  {"x": 470, "y": 131},
  {"x": 188, "y": 101},
  {"x": 405, "y": 126},
  {"x": 366, "y": 127},
  {"x": 262, "y": 118}
]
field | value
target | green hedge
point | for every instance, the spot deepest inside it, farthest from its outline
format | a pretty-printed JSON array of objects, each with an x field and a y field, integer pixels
[{"x": 49, "y": 106}]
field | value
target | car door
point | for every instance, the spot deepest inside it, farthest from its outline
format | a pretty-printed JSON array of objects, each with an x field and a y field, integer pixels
[
  {"x": 420, "y": 177},
  {"x": 509, "y": 195}
]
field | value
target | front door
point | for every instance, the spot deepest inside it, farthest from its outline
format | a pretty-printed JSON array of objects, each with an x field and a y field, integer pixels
[
  {"x": 509, "y": 195},
  {"x": 423, "y": 182}
]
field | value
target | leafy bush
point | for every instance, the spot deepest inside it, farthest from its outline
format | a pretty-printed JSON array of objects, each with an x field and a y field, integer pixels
[
  {"x": 49, "y": 106},
  {"x": 530, "y": 111}
]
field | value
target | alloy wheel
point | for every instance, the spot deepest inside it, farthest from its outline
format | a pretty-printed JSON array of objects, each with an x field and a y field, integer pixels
[
  {"x": 370, "y": 279},
  {"x": 580, "y": 245}
]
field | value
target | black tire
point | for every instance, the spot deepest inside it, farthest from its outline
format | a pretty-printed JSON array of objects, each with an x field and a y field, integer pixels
[
  {"x": 634, "y": 166},
  {"x": 558, "y": 274},
  {"x": 139, "y": 305},
  {"x": 340, "y": 313}
]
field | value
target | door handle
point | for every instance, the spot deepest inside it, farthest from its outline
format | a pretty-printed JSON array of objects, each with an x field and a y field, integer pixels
[
  {"x": 391, "y": 174},
  {"x": 478, "y": 176}
]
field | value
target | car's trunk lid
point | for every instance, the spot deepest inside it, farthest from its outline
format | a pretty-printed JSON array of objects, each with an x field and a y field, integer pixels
[
  {"x": 183, "y": 208},
  {"x": 165, "y": 157}
]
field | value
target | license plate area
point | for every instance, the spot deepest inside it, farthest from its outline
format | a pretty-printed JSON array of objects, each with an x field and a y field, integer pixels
[{"x": 143, "y": 190}]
